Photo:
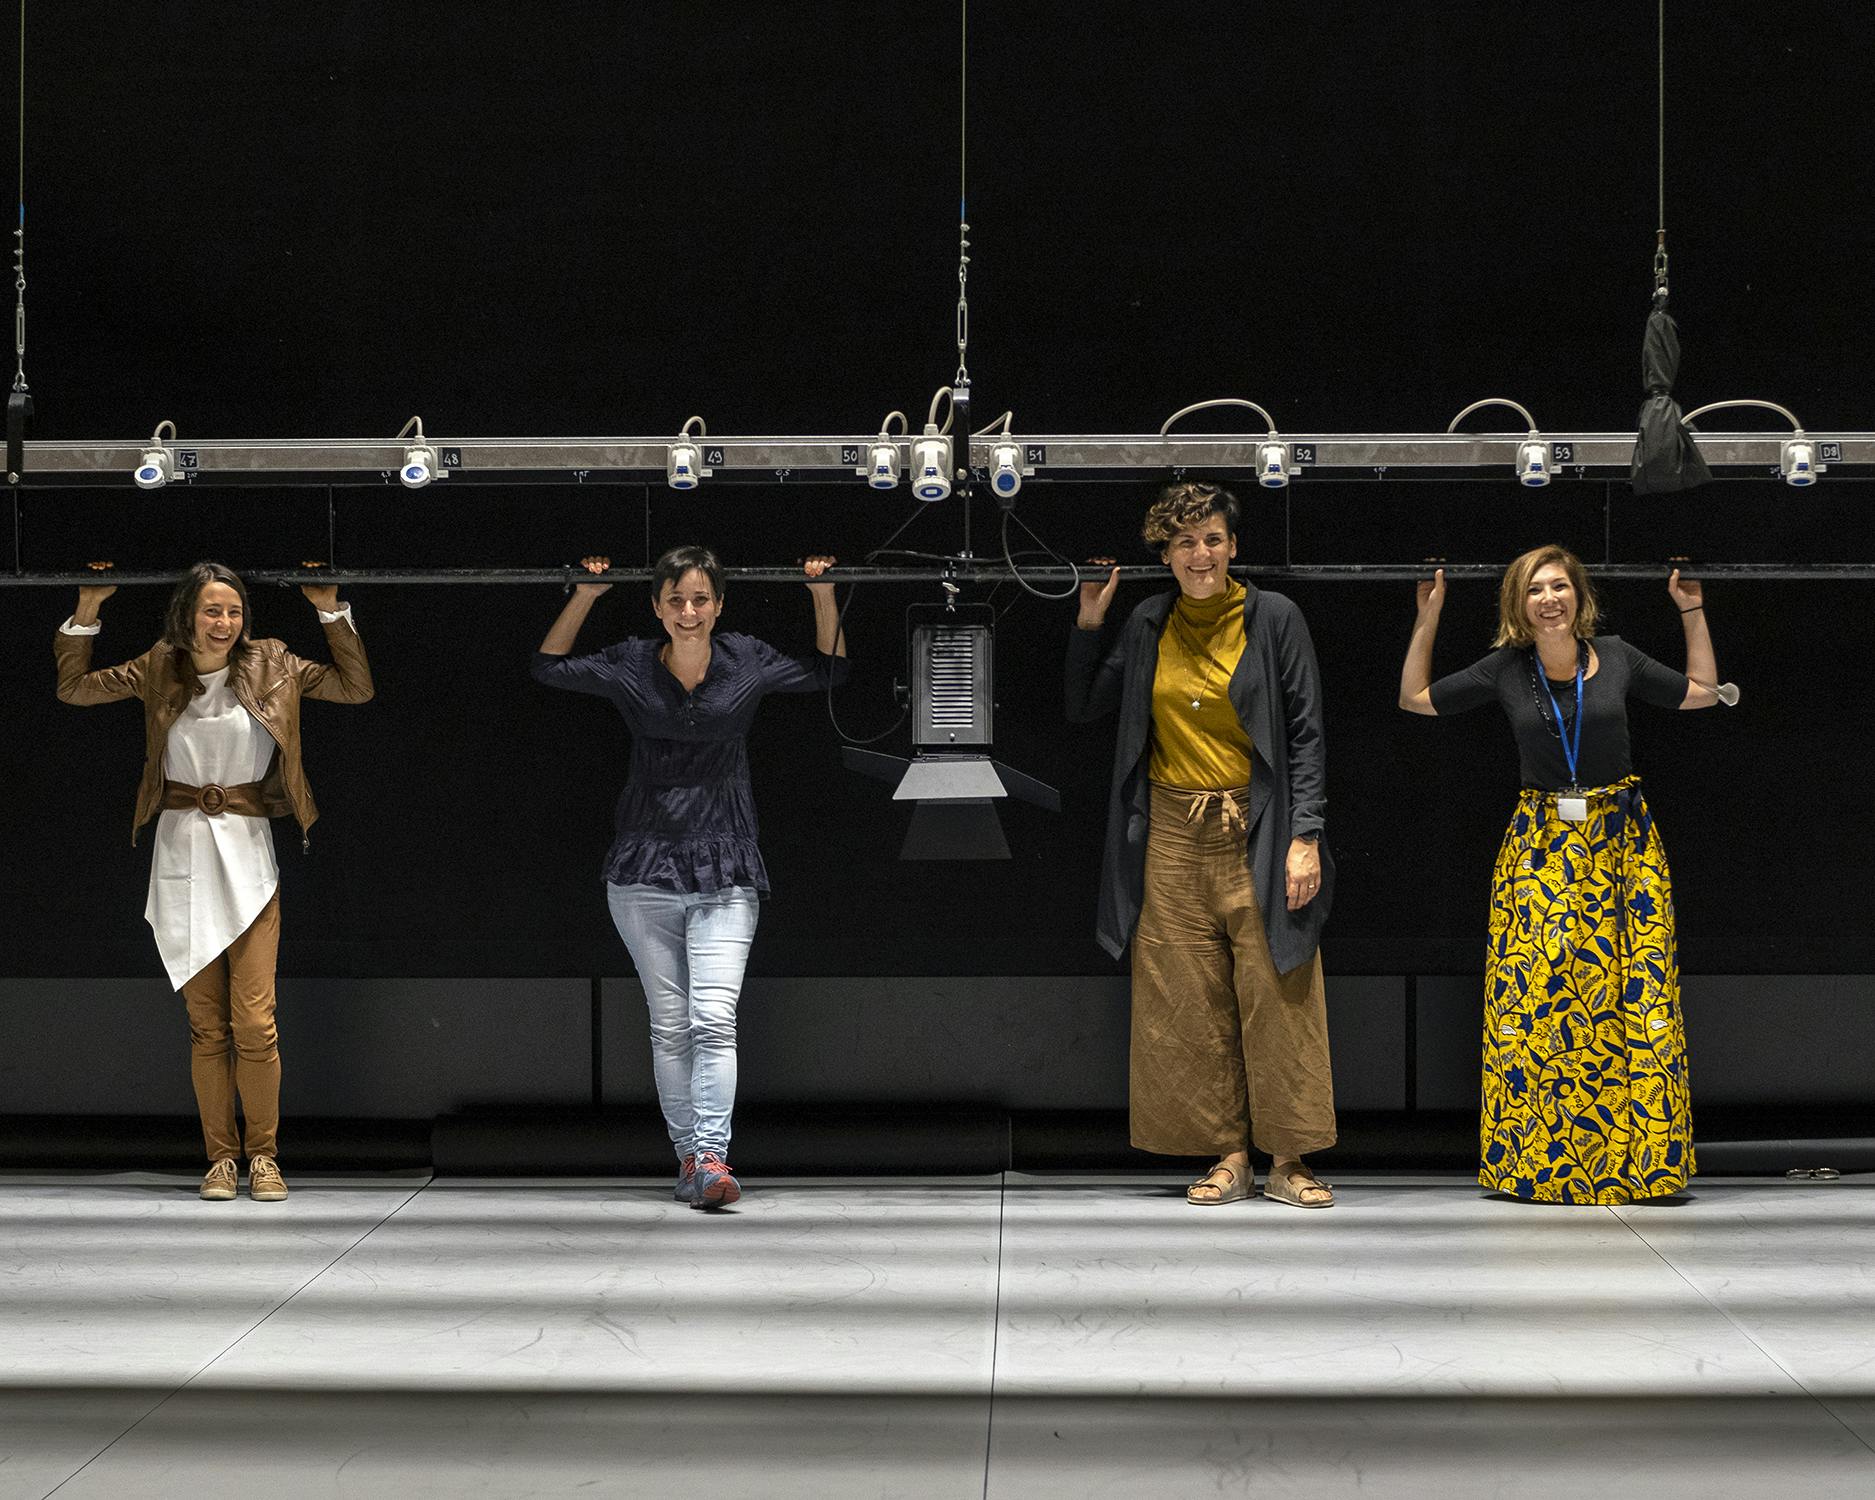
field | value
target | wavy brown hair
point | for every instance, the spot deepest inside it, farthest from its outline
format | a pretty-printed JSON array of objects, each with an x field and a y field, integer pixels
[
  {"x": 179, "y": 619},
  {"x": 1513, "y": 624},
  {"x": 1188, "y": 503}
]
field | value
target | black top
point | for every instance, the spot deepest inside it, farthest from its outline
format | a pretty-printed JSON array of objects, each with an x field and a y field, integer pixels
[
  {"x": 1508, "y": 675},
  {"x": 686, "y": 819}
]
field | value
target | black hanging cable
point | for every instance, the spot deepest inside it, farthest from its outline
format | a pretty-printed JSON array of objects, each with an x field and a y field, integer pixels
[
  {"x": 1015, "y": 599},
  {"x": 1009, "y": 560},
  {"x": 839, "y": 635}
]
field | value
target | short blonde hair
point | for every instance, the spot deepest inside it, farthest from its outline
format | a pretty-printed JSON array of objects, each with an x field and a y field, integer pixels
[
  {"x": 1188, "y": 503},
  {"x": 1513, "y": 622}
]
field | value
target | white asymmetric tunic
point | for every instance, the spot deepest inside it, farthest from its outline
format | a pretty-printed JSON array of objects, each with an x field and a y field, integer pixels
[{"x": 210, "y": 876}]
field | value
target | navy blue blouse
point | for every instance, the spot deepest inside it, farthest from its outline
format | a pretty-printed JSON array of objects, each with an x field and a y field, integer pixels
[{"x": 686, "y": 819}]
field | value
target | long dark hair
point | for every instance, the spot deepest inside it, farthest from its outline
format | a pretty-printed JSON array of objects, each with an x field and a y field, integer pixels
[{"x": 179, "y": 620}]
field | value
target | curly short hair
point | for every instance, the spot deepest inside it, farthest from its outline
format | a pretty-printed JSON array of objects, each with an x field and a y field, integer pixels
[
  {"x": 1187, "y": 503},
  {"x": 1513, "y": 624}
]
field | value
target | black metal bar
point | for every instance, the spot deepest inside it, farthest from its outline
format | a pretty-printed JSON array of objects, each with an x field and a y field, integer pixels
[{"x": 963, "y": 571}]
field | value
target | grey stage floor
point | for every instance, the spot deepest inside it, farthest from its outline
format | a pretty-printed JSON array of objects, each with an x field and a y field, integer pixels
[{"x": 995, "y": 1336}]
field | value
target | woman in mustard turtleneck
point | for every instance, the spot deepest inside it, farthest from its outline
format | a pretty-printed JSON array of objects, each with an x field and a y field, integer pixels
[{"x": 1215, "y": 868}]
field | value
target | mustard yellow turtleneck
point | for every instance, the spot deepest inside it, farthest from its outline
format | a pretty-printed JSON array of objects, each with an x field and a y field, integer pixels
[{"x": 1204, "y": 747}]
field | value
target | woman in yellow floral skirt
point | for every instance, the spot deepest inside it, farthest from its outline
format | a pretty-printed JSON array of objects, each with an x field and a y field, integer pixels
[{"x": 1585, "y": 1076}]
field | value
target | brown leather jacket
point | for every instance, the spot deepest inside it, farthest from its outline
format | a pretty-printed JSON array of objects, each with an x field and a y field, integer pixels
[{"x": 269, "y": 682}]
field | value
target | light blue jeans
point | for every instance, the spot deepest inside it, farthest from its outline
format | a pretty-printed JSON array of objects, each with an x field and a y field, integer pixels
[{"x": 690, "y": 951}]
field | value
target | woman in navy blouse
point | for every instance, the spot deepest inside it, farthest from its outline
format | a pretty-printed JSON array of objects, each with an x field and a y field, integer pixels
[{"x": 684, "y": 876}]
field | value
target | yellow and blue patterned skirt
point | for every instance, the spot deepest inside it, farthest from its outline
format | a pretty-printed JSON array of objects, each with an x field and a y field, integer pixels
[{"x": 1585, "y": 1080}]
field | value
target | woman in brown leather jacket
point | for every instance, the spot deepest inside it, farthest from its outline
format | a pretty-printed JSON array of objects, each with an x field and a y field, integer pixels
[{"x": 221, "y": 756}]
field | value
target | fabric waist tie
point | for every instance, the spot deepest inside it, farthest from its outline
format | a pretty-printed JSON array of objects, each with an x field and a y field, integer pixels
[
  {"x": 1198, "y": 802},
  {"x": 244, "y": 800}
]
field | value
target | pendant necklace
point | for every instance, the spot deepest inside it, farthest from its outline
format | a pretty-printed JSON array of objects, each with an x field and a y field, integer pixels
[{"x": 1197, "y": 648}]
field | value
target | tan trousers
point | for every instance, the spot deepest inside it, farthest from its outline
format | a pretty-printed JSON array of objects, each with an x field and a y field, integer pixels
[
  {"x": 233, "y": 1048},
  {"x": 1226, "y": 1051}
]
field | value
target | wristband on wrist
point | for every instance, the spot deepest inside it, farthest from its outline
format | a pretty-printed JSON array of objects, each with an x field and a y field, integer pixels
[{"x": 1694, "y": 610}]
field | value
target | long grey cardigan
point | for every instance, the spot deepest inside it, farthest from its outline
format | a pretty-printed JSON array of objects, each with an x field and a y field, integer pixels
[{"x": 1277, "y": 693}]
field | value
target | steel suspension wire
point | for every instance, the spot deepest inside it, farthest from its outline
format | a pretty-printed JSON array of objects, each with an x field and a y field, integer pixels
[
  {"x": 963, "y": 196},
  {"x": 1660, "y": 150},
  {"x": 19, "y": 234}
]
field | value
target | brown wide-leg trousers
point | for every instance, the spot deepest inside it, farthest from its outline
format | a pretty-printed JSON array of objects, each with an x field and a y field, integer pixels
[
  {"x": 233, "y": 1048},
  {"x": 1226, "y": 1051}
]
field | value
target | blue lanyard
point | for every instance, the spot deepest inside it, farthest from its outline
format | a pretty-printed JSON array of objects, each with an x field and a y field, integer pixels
[{"x": 1570, "y": 750}]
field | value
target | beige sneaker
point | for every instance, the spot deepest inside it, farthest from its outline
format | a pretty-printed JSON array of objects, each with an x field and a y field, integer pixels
[
  {"x": 218, "y": 1185},
  {"x": 264, "y": 1182}
]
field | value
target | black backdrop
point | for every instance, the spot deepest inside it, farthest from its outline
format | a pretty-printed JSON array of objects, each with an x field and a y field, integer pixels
[{"x": 564, "y": 218}]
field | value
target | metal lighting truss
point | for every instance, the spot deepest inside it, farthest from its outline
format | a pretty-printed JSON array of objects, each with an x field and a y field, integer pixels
[
  {"x": 834, "y": 460},
  {"x": 1602, "y": 457}
]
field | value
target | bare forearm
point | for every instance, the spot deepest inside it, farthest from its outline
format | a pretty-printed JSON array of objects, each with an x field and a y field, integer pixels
[
  {"x": 565, "y": 630},
  {"x": 829, "y": 638},
  {"x": 1702, "y": 663},
  {"x": 1416, "y": 670}
]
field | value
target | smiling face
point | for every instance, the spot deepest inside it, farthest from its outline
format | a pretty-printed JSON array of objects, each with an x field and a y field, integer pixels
[
  {"x": 1199, "y": 555},
  {"x": 1550, "y": 603},
  {"x": 688, "y": 608},
  {"x": 219, "y": 620}
]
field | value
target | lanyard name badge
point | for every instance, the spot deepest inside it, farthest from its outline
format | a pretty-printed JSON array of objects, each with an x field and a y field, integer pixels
[{"x": 1572, "y": 806}]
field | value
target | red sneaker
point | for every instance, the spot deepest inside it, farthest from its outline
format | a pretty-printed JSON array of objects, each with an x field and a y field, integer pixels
[{"x": 716, "y": 1185}]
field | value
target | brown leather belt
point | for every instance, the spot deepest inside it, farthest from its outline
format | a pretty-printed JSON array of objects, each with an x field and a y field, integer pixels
[{"x": 244, "y": 800}]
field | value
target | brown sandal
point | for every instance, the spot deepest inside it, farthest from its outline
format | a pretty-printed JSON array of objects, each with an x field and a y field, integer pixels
[
  {"x": 1290, "y": 1187},
  {"x": 1235, "y": 1191}
]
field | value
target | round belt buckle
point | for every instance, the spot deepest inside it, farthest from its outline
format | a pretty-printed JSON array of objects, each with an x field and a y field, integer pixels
[{"x": 212, "y": 798}]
